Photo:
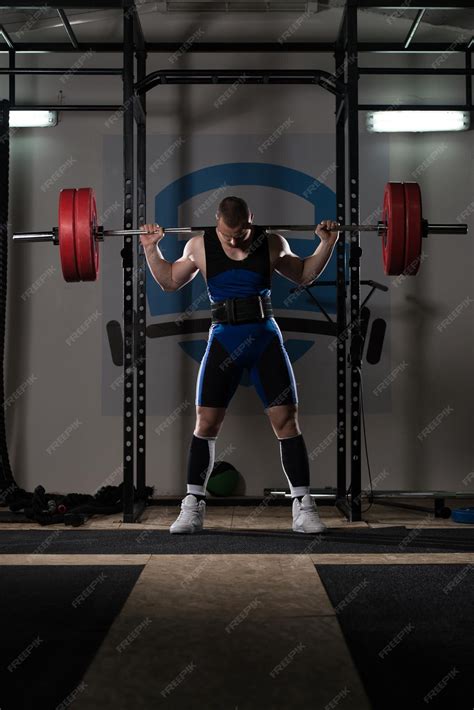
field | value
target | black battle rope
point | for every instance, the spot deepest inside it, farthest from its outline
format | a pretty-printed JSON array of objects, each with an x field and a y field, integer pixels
[{"x": 7, "y": 482}]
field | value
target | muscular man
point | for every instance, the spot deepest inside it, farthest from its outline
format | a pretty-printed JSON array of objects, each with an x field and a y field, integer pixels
[{"x": 237, "y": 259}]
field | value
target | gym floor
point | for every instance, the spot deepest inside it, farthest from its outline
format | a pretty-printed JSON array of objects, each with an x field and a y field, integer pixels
[{"x": 238, "y": 620}]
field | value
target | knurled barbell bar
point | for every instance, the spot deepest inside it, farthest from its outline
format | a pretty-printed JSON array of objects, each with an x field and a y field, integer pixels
[{"x": 401, "y": 229}]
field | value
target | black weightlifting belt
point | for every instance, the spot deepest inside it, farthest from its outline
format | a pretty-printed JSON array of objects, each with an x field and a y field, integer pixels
[{"x": 242, "y": 310}]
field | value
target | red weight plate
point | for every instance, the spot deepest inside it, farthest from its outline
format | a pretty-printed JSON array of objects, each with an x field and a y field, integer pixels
[
  {"x": 413, "y": 228},
  {"x": 67, "y": 245},
  {"x": 87, "y": 248},
  {"x": 393, "y": 240}
]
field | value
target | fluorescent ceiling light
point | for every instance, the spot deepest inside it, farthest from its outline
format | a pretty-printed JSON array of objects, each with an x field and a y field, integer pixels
[
  {"x": 398, "y": 121},
  {"x": 30, "y": 119}
]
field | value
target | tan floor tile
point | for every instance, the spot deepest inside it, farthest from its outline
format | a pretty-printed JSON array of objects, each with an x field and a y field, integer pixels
[
  {"x": 235, "y": 581},
  {"x": 222, "y": 634},
  {"x": 99, "y": 560},
  {"x": 167, "y": 668}
]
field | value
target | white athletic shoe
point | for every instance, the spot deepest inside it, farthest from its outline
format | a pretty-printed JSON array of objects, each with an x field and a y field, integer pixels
[
  {"x": 306, "y": 517},
  {"x": 191, "y": 517}
]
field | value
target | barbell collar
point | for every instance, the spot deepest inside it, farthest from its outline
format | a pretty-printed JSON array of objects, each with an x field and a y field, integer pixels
[
  {"x": 448, "y": 229},
  {"x": 34, "y": 236}
]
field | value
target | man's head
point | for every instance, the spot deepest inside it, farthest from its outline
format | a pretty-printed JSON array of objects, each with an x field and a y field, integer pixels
[{"x": 233, "y": 220}]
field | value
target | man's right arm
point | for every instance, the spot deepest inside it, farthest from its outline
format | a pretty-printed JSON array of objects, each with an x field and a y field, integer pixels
[{"x": 171, "y": 276}]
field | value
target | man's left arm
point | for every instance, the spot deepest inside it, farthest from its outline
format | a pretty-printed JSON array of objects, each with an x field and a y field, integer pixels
[{"x": 305, "y": 271}]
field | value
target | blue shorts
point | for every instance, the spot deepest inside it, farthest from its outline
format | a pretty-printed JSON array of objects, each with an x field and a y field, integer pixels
[{"x": 257, "y": 347}]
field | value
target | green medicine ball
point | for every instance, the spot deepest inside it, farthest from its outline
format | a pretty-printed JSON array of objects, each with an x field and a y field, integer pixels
[{"x": 223, "y": 479}]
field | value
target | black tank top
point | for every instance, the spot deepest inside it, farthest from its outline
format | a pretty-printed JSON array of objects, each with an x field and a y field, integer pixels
[{"x": 229, "y": 278}]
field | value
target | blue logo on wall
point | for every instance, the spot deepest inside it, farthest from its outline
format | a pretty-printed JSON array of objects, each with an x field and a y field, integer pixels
[{"x": 167, "y": 204}]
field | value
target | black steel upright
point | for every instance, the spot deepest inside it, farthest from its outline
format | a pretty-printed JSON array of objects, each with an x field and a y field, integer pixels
[
  {"x": 341, "y": 342},
  {"x": 127, "y": 256},
  {"x": 141, "y": 269},
  {"x": 355, "y": 356}
]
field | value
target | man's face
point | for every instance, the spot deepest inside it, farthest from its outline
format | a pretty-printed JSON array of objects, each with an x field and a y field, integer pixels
[{"x": 234, "y": 237}]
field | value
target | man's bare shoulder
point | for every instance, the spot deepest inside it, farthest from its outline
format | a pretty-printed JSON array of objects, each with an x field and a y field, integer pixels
[
  {"x": 276, "y": 242},
  {"x": 194, "y": 246}
]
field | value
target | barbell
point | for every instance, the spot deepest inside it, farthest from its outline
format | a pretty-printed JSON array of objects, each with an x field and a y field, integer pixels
[{"x": 401, "y": 229}]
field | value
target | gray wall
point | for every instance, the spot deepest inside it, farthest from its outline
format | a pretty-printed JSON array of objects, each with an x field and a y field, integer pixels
[{"x": 67, "y": 387}]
